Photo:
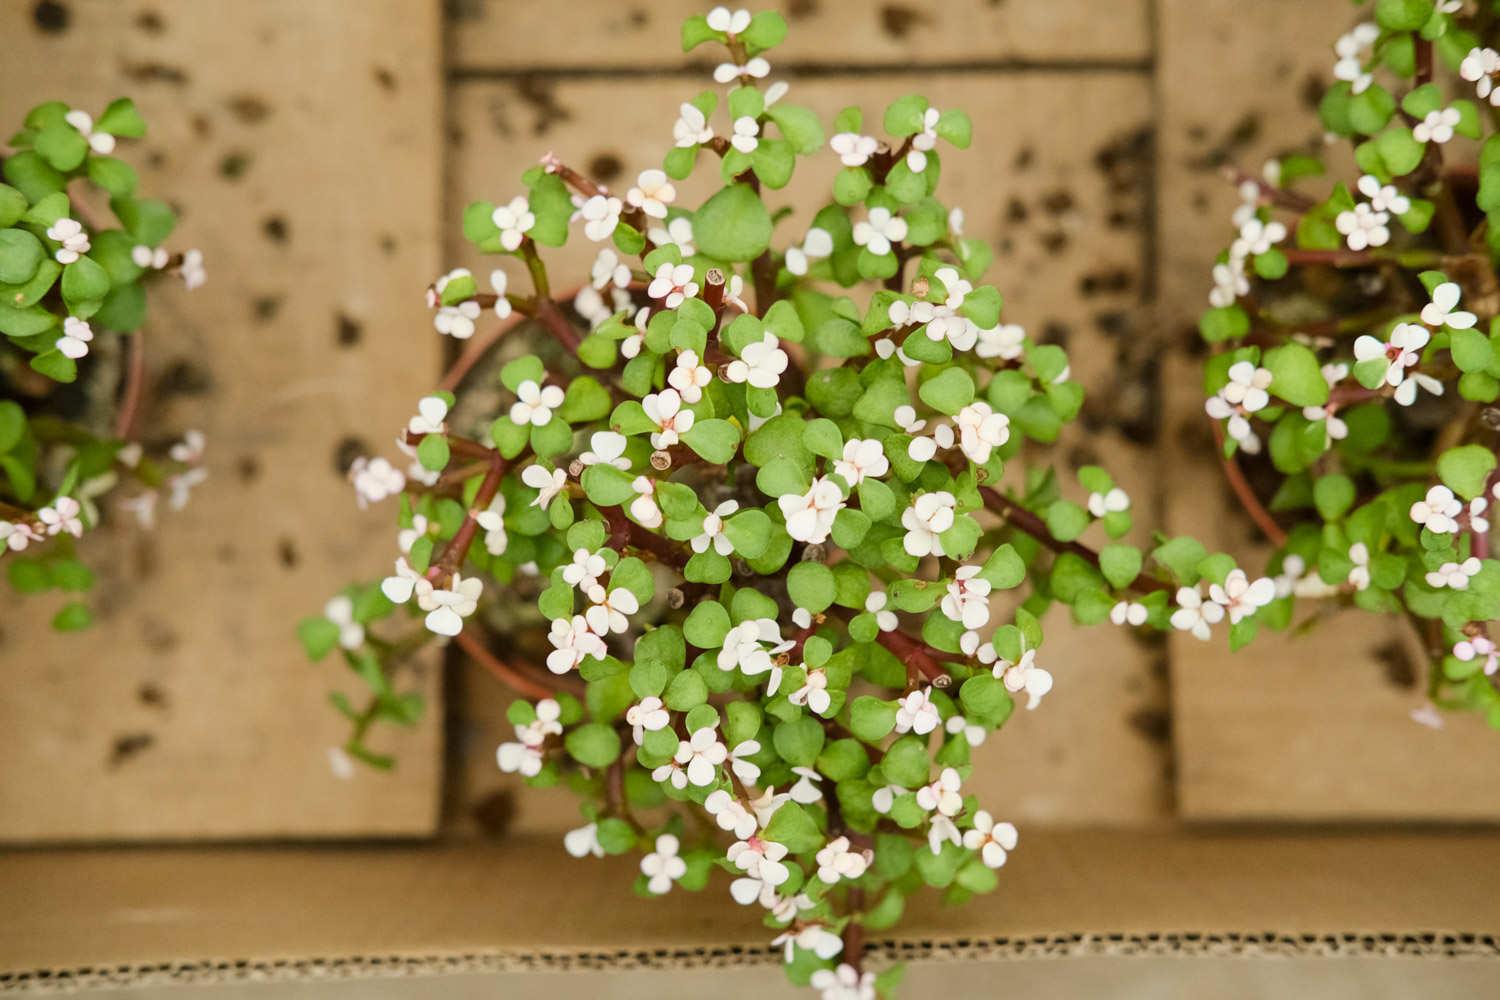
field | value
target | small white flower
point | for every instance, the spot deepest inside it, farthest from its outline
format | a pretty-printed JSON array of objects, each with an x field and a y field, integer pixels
[
  {"x": 1478, "y": 523},
  {"x": 1131, "y": 613},
  {"x": 572, "y": 642},
  {"x": 16, "y": 535},
  {"x": 813, "y": 937},
  {"x": 813, "y": 693},
  {"x": 745, "y": 137},
  {"x": 1403, "y": 350},
  {"x": 1230, "y": 283},
  {"x": 757, "y": 68},
  {"x": 100, "y": 142},
  {"x": 69, "y": 233},
  {"x": 432, "y": 414},
  {"x": 968, "y": 598},
  {"x": 1194, "y": 614},
  {"x": 689, "y": 376},
  {"x": 700, "y": 756},
  {"x": 647, "y": 716},
  {"x": 492, "y": 520},
  {"x": 981, "y": 430},
  {"x": 340, "y": 611},
  {"x": 1437, "y": 126},
  {"x": 879, "y": 230},
  {"x": 400, "y": 587},
  {"x": 191, "y": 270},
  {"x": 843, "y": 983},
  {"x": 1479, "y": 68},
  {"x": 375, "y": 479},
  {"x": 837, "y": 860},
  {"x": 519, "y": 758},
  {"x": 760, "y": 860},
  {"x": 1442, "y": 311},
  {"x": 863, "y": 458},
  {"x": 584, "y": 570},
  {"x": 583, "y": 842},
  {"x": 548, "y": 484},
  {"x": 644, "y": 507},
  {"x": 62, "y": 516},
  {"x": 1359, "y": 573},
  {"x": 606, "y": 448},
  {"x": 1384, "y": 197},
  {"x": 678, "y": 233},
  {"x": 609, "y": 270},
  {"x": 1247, "y": 386},
  {"x": 712, "y": 532},
  {"x": 745, "y": 646},
  {"x": 1364, "y": 227},
  {"x": 534, "y": 403},
  {"x": 810, "y": 516},
  {"x": 457, "y": 321},
  {"x": 691, "y": 127},
  {"x": 665, "y": 410},
  {"x": 1349, "y": 49},
  {"x": 917, "y": 713},
  {"x": 673, "y": 284},
  {"x": 1006, "y": 342},
  {"x": 1113, "y": 502},
  {"x": 145, "y": 256},
  {"x": 885, "y": 619},
  {"x": 928, "y": 517},
  {"x": 760, "y": 363},
  {"x": 1257, "y": 237},
  {"x": 992, "y": 840},
  {"x": 601, "y": 214},
  {"x": 1477, "y": 646},
  {"x": 1025, "y": 675},
  {"x": 662, "y": 866},
  {"x": 1438, "y": 511},
  {"x": 652, "y": 193},
  {"x": 740, "y": 763},
  {"x": 727, "y": 21},
  {"x": 974, "y": 735},
  {"x": 1241, "y": 597},
  {"x": 1454, "y": 575},
  {"x": 854, "y": 149},
  {"x": 816, "y": 245},
  {"x": 514, "y": 220},
  {"x": 731, "y": 814},
  {"x": 609, "y": 610},
  {"x": 498, "y": 282},
  {"x": 451, "y": 606},
  {"x": 74, "y": 343}
]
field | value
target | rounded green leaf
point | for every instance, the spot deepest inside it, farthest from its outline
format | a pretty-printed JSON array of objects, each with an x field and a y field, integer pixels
[
  {"x": 593, "y": 744},
  {"x": 733, "y": 225}
]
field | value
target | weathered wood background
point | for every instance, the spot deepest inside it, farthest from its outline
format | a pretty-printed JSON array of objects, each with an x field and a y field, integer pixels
[{"x": 322, "y": 152}]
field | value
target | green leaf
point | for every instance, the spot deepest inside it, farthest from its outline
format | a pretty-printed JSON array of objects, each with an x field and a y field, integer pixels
[
  {"x": 607, "y": 486},
  {"x": 706, "y": 625},
  {"x": 1121, "y": 564},
  {"x": 1465, "y": 469},
  {"x": 767, "y": 30},
  {"x": 121, "y": 119},
  {"x": 871, "y": 719},
  {"x": 1333, "y": 495},
  {"x": 1400, "y": 151},
  {"x": 715, "y": 441},
  {"x": 12, "y": 205},
  {"x": 84, "y": 281},
  {"x": 686, "y": 691},
  {"x": 62, "y": 146},
  {"x": 811, "y": 585},
  {"x": 1067, "y": 520},
  {"x": 948, "y": 392},
  {"x": 593, "y": 744},
  {"x": 733, "y": 225},
  {"x": 1402, "y": 15},
  {"x": 1295, "y": 375},
  {"x": 955, "y": 128},
  {"x": 903, "y": 116},
  {"x": 793, "y": 827},
  {"x": 55, "y": 365},
  {"x": 906, "y": 762},
  {"x": 433, "y": 452},
  {"x": 73, "y": 616},
  {"x": 799, "y": 125},
  {"x": 318, "y": 636},
  {"x": 799, "y": 741},
  {"x": 20, "y": 255}
]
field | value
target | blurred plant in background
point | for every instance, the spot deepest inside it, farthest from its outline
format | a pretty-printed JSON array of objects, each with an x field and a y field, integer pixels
[
  {"x": 1356, "y": 347},
  {"x": 72, "y": 362}
]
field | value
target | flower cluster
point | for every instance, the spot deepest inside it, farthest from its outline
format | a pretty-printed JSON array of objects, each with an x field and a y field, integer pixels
[
  {"x": 69, "y": 282},
  {"x": 1356, "y": 353},
  {"x": 752, "y": 476}
]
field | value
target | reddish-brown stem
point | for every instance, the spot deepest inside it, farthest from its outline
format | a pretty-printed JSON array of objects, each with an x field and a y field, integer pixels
[
  {"x": 1245, "y": 494},
  {"x": 556, "y": 323},
  {"x": 512, "y": 677},
  {"x": 1019, "y": 517},
  {"x": 920, "y": 659},
  {"x": 453, "y": 555},
  {"x": 479, "y": 346},
  {"x": 135, "y": 381},
  {"x": 854, "y": 931},
  {"x": 1280, "y": 197},
  {"x": 466, "y": 447}
]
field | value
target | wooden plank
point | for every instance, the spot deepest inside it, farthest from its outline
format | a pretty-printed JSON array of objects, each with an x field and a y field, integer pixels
[
  {"x": 1309, "y": 728},
  {"x": 486, "y": 35},
  {"x": 300, "y": 140},
  {"x": 1066, "y": 208},
  {"x": 301, "y": 912}
]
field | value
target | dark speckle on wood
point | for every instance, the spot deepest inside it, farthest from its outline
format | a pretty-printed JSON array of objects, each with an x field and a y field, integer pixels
[{"x": 51, "y": 16}]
